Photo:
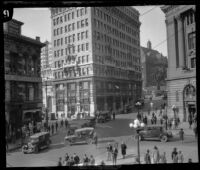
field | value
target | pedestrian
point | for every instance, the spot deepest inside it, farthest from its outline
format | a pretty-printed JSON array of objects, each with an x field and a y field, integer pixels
[
  {"x": 52, "y": 128},
  {"x": 85, "y": 160},
  {"x": 190, "y": 160},
  {"x": 61, "y": 123},
  {"x": 115, "y": 153},
  {"x": 174, "y": 156},
  {"x": 195, "y": 129},
  {"x": 66, "y": 123},
  {"x": 156, "y": 155},
  {"x": 180, "y": 157},
  {"x": 147, "y": 157},
  {"x": 123, "y": 149},
  {"x": 71, "y": 161},
  {"x": 190, "y": 120},
  {"x": 92, "y": 160},
  {"x": 95, "y": 138},
  {"x": 59, "y": 162},
  {"x": 65, "y": 162},
  {"x": 102, "y": 163},
  {"x": 56, "y": 126},
  {"x": 161, "y": 121},
  {"x": 155, "y": 119},
  {"x": 109, "y": 151},
  {"x": 113, "y": 115},
  {"x": 163, "y": 159},
  {"x": 181, "y": 135},
  {"x": 76, "y": 159},
  {"x": 49, "y": 128}
]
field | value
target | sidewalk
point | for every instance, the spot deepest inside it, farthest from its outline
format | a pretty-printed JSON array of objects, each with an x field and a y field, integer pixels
[{"x": 14, "y": 146}]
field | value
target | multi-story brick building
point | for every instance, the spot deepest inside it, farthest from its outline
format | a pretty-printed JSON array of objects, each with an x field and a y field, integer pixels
[
  {"x": 96, "y": 58},
  {"x": 23, "y": 83},
  {"x": 154, "y": 70},
  {"x": 181, "y": 43}
]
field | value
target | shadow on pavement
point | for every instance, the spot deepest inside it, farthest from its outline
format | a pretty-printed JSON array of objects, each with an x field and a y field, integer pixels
[{"x": 128, "y": 156}]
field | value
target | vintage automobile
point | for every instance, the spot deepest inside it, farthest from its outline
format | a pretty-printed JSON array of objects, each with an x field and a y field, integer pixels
[
  {"x": 154, "y": 132},
  {"x": 37, "y": 142},
  {"x": 104, "y": 117},
  {"x": 80, "y": 135}
]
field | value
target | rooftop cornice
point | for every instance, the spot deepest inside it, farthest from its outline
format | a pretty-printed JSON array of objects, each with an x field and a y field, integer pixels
[{"x": 167, "y": 8}]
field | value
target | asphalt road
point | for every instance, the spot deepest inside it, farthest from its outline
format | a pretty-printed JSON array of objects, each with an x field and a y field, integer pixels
[{"x": 113, "y": 131}]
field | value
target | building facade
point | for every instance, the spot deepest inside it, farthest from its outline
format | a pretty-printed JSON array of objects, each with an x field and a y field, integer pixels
[
  {"x": 47, "y": 76},
  {"x": 181, "y": 75},
  {"x": 23, "y": 83},
  {"x": 96, "y": 58},
  {"x": 154, "y": 70}
]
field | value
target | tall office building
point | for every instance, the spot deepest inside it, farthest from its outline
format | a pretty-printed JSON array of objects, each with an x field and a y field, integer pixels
[
  {"x": 96, "y": 58},
  {"x": 181, "y": 44}
]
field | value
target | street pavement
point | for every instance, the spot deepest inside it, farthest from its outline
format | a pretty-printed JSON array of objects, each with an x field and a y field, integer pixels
[{"x": 113, "y": 131}]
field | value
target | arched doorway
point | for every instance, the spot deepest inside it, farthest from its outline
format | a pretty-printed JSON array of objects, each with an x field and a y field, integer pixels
[{"x": 189, "y": 101}]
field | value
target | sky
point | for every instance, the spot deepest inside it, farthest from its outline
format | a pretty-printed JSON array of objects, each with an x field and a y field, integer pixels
[{"x": 37, "y": 22}]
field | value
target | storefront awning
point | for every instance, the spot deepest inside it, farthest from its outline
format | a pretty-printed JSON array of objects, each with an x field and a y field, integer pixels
[{"x": 31, "y": 110}]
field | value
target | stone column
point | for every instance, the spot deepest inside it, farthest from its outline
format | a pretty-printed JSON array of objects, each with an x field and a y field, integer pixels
[
  {"x": 65, "y": 100},
  {"x": 77, "y": 98},
  {"x": 92, "y": 97},
  {"x": 180, "y": 40}
]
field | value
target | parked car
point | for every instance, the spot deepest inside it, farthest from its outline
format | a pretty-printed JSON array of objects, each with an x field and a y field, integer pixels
[
  {"x": 80, "y": 135},
  {"x": 154, "y": 132},
  {"x": 104, "y": 117},
  {"x": 37, "y": 142}
]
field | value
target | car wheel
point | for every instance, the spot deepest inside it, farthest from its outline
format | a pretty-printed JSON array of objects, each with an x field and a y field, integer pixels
[
  {"x": 163, "y": 138},
  {"x": 67, "y": 143},
  {"x": 88, "y": 141},
  {"x": 36, "y": 149}
]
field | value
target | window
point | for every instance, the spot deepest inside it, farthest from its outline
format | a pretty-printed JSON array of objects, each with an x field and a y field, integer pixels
[
  {"x": 61, "y": 52},
  {"x": 72, "y": 15},
  {"x": 61, "y": 20},
  {"x": 78, "y": 13},
  {"x": 78, "y": 36},
  {"x": 61, "y": 30},
  {"x": 69, "y": 27},
  {"x": 87, "y": 58},
  {"x": 79, "y": 48},
  {"x": 54, "y": 32},
  {"x": 57, "y": 31},
  {"x": 86, "y": 22},
  {"x": 86, "y": 34},
  {"x": 65, "y": 18},
  {"x": 85, "y": 10},
  {"x": 82, "y": 35},
  {"x": 82, "y": 23},
  {"x": 87, "y": 46},
  {"x": 191, "y": 40},
  {"x": 82, "y": 11},
  {"x": 54, "y": 53},
  {"x": 58, "y": 42},
  {"x": 65, "y": 28},
  {"x": 83, "y": 47},
  {"x": 73, "y": 25},
  {"x": 54, "y": 43},
  {"x": 73, "y": 37},
  {"x": 65, "y": 40}
]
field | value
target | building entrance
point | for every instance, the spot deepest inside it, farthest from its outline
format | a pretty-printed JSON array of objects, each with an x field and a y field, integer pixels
[{"x": 189, "y": 101}]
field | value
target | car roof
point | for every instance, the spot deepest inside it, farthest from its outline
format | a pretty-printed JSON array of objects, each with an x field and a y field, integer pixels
[
  {"x": 39, "y": 134},
  {"x": 154, "y": 126},
  {"x": 83, "y": 129}
]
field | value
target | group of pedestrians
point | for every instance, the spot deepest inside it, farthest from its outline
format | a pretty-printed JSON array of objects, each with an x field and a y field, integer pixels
[
  {"x": 75, "y": 160},
  {"x": 155, "y": 157},
  {"x": 112, "y": 151}
]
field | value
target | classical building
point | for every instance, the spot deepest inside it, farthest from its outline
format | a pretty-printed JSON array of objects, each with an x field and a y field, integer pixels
[
  {"x": 23, "y": 83},
  {"x": 154, "y": 70},
  {"x": 96, "y": 58},
  {"x": 181, "y": 43}
]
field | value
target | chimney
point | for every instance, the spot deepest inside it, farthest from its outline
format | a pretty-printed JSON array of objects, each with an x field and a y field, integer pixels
[{"x": 37, "y": 38}]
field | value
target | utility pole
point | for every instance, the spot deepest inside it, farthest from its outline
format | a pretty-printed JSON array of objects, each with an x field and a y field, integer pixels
[{"x": 46, "y": 108}]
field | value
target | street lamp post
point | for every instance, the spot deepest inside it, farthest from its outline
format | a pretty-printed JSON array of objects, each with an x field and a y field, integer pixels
[{"x": 136, "y": 125}]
